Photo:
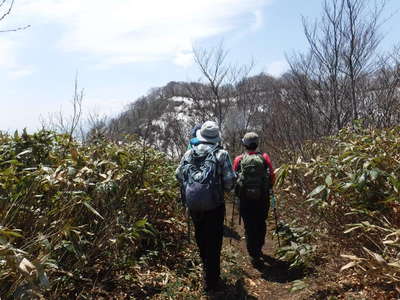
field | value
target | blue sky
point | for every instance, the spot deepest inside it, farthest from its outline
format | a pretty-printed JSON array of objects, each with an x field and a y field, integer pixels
[{"x": 120, "y": 49}]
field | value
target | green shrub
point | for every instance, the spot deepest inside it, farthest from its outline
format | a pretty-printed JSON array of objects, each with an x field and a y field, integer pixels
[
  {"x": 348, "y": 196},
  {"x": 73, "y": 215}
]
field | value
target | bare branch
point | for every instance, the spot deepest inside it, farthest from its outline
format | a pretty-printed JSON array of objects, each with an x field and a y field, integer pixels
[
  {"x": 15, "y": 29},
  {"x": 8, "y": 10}
]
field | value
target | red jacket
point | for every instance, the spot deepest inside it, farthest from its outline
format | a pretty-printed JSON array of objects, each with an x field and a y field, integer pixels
[{"x": 267, "y": 160}]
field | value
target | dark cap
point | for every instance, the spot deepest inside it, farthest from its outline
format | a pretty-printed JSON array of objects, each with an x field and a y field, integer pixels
[{"x": 250, "y": 138}]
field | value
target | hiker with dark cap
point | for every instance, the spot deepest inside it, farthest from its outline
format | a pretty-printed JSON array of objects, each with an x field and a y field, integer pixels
[
  {"x": 255, "y": 180},
  {"x": 205, "y": 171}
]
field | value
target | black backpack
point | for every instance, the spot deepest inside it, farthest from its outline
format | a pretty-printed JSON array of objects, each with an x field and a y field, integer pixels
[{"x": 201, "y": 183}]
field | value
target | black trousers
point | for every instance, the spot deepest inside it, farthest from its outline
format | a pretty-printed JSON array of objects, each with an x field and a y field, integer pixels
[
  {"x": 254, "y": 216},
  {"x": 209, "y": 227}
]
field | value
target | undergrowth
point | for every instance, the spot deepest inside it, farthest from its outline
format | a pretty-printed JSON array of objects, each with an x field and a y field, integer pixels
[
  {"x": 346, "y": 200},
  {"x": 102, "y": 220}
]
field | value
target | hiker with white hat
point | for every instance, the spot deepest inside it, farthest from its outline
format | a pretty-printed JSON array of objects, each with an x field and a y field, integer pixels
[{"x": 205, "y": 172}]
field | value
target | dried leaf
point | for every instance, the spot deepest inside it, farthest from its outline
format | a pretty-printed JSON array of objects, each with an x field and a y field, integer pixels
[
  {"x": 26, "y": 267},
  {"x": 378, "y": 258},
  {"x": 352, "y": 257},
  {"x": 92, "y": 209},
  {"x": 347, "y": 266},
  {"x": 395, "y": 264}
]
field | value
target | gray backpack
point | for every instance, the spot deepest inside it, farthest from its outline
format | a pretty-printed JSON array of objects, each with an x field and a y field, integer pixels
[{"x": 202, "y": 185}]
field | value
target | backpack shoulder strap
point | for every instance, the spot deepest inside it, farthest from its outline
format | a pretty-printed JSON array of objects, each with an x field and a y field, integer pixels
[
  {"x": 216, "y": 147},
  {"x": 261, "y": 154},
  {"x": 239, "y": 168},
  {"x": 267, "y": 167},
  {"x": 213, "y": 151},
  {"x": 188, "y": 157}
]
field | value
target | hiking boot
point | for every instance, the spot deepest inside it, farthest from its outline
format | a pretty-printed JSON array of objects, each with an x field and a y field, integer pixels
[
  {"x": 270, "y": 260},
  {"x": 213, "y": 286},
  {"x": 256, "y": 261},
  {"x": 258, "y": 255}
]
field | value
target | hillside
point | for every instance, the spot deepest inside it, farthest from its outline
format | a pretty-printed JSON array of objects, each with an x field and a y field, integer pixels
[{"x": 165, "y": 116}]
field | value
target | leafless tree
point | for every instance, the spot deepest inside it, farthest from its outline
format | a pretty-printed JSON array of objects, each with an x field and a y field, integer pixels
[
  {"x": 67, "y": 124},
  {"x": 361, "y": 39},
  {"x": 252, "y": 109},
  {"x": 218, "y": 92},
  {"x": 329, "y": 85},
  {"x": 383, "y": 97},
  {"x": 96, "y": 126},
  {"x": 324, "y": 64}
]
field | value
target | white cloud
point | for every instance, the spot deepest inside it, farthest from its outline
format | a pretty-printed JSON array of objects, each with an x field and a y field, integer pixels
[
  {"x": 184, "y": 59},
  {"x": 103, "y": 107},
  {"x": 93, "y": 109},
  {"x": 277, "y": 68},
  {"x": 124, "y": 31},
  {"x": 9, "y": 58},
  {"x": 258, "y": 20},
  {"x": 7, "y": 53},
  {"x": 91, "y": 106},
  {"x": 20, "y": 72}
]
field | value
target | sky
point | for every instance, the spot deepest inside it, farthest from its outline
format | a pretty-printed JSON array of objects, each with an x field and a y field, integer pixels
[{"x": 118, "y": 50}]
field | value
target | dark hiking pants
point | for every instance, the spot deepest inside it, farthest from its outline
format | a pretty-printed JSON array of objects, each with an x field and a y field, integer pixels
[
  {"x": 208, "y": 228},
  {"x": 254, "y": 218}
]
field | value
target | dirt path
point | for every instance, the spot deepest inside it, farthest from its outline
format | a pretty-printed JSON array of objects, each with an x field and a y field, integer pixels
[{"x": 269, "y": 280}]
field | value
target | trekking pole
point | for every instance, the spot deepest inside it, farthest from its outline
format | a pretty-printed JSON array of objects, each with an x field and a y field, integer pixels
[
  {"x": 237, "y": 200},
  {"x": 273, "y": 204},
  {"x": 186, "y": 212},
  {"x": 188, "y": 224},
  {"x": 233, "y": 213}
]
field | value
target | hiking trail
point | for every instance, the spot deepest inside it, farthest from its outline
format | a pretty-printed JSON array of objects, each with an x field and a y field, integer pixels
[{"x": 270, "y": 280}]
